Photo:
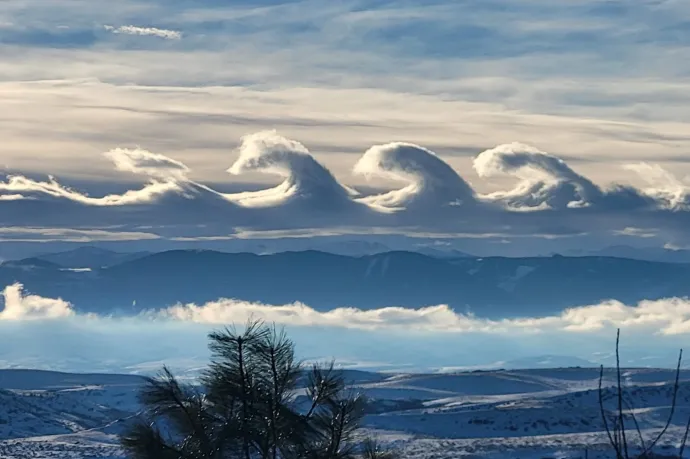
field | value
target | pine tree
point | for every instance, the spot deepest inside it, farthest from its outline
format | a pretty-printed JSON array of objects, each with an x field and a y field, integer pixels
[{"x": 246, "y": 407}]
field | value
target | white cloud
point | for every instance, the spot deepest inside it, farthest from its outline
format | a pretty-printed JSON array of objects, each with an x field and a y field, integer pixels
[
  {"x": 20, "y": 188},
  {"x": 140, "y": 161},
  {"x": 342, "y": 79},
  {"x": 50, "y": 332},
  {"x": 664, "y": 186},
  {"x": 20, "y": 306},
  {"x": 311, "y": 200},
  {"x": 305, "y": 177},
  {"x": 669, "y": 316},
  {"x": 146, "y": 31},
  {"x": 433, "y": 182},
  {"x": 545, "y": 180},
  {"x": 23, "y": 234},
  {"x": 636, "y": 232}
]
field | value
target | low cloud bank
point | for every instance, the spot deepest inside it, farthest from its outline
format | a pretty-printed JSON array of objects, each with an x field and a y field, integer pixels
[
  {"x": 47, "y": 333},
  {"x": 21, "y": 306},
  {"x": 668, "y": 317}
]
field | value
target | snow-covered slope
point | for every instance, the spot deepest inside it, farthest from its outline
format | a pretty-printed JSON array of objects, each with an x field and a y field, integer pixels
[{"x": 523, "y": 413}]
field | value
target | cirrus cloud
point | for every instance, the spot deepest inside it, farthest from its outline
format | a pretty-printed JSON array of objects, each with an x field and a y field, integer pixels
[{"x": 144, "y": 31}]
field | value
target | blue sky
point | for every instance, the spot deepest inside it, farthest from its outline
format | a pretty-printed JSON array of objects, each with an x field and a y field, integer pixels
[
  {"x": 595, "y": 81},
  {"x": 603, "y": 85}
]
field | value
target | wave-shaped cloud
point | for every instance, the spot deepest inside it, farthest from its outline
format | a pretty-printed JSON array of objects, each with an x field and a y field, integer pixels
[
  {"x": 436, "y": 199},
  {"x": 432, "y": 181},
  {"x": 664, "y": 187},
  {"x": 165, "y": 175},
  {"x": 546, "y": 182},
  {"x": 305, "y": 178},
  {"x": 17, "y": 188},
  {"x": 144, "y": 162}
]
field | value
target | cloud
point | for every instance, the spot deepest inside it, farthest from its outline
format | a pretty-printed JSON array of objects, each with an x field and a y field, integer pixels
[
  {"x": 145, "y": 31},
  {"x": 305, "y": 178},
  {"x": 669, "y": 316},
  {"x": 18, "y": 188},
  {"x": 546, "y": 182},
  {"x": 47, "y": 333},
  {"x": 21, "y": 234},
  {"x": 144, "y": 162},
  {"x": 310, "y": 200},
  {"x": 432, "y": 181},
  {"x": 636, "y": 232},
  {"x": 20, "y": 306},
  {"x": 664, "y": 186}
]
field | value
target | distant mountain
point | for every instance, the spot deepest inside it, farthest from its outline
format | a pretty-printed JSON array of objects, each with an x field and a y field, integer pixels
[
  {"x": 89, "y": 257},
  {"x": 637, "y": 253},
  {"x": 548, "y": 361},
  {"x": 441, "y": 253},
  {"x": 96, "y": 257},
  {"x": 490, "y": 287},
  {"x": 29, "y": 379},
  {"x": 31, "y": 263}
]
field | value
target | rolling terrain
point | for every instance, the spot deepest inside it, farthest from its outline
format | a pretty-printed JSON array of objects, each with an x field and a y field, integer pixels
[{"x": 520, "y": 413}]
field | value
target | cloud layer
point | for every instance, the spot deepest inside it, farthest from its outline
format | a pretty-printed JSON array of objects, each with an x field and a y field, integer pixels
[
  {"x": 46, "y": 332},
  {"x": 550, "y": 197},
  {"x": 668, "y": 317},
  {"x": 409, "y": 92}
]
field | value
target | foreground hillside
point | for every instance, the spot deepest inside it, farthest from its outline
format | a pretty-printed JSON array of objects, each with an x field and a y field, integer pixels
[
  {"x": 491, "y": 287},
  {"x": 527, "y": 413}
]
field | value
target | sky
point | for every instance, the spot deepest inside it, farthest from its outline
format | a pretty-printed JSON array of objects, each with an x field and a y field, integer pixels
[{"x": 203, "y": 120}]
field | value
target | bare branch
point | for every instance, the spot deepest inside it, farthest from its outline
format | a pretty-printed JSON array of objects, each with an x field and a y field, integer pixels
[
  {"x": 685, "y": 440},
  {"x": 612, "y": 441},
  {"x": 621, "y": 419},
  {"x": 676, "y": 386}
]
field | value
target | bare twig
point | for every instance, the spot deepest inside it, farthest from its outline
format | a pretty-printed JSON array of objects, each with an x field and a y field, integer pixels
[
  {"x": 624, "y": 440},
  {"x": 676, "y": 386},
  {"x": 631, "y": 410},
  {"x": 685, "y": 440},
  {"x": 612, "y": 440}
]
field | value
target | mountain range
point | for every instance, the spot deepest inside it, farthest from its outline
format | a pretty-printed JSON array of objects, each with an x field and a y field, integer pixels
[{"x": 493, "y": 287}]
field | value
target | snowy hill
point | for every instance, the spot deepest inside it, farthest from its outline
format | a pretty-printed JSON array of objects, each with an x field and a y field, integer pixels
[
  {"x": 521, "y": 413},
  {"x": 89, "y": 257}
]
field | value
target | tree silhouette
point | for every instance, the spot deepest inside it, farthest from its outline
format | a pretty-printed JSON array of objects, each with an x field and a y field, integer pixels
[{"x": 247, "y": 406}]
